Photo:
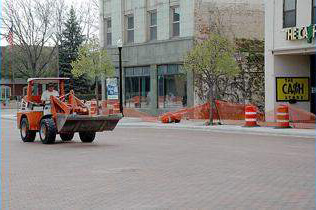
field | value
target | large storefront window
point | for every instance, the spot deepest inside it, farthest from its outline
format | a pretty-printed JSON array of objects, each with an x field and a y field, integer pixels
[
  {"x": 171, "y": 86},
  {"x": 137, "y": 87}
]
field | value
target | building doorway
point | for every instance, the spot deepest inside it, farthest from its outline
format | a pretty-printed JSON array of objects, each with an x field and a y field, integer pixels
[{"x": 313, "y": 84}]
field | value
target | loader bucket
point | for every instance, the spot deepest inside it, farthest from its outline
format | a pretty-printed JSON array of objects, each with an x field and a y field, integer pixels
[{"x": 78, "y": 123}]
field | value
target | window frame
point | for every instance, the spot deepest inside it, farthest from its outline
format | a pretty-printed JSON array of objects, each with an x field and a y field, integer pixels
[
  {"x": 127, "y": 29},
  {"x": 173, "y": 22},
  {"x": 284, "y": 12},
  {"x": 152, "y": 26}
]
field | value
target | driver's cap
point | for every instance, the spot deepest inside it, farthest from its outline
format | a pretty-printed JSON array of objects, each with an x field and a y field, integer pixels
[{"x": 50, "y": 84}]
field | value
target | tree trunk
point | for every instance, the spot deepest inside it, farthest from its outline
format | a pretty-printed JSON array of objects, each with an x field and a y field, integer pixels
[
  {"x": 215, "y": 106},
  {"x": 210, "y": 100}
]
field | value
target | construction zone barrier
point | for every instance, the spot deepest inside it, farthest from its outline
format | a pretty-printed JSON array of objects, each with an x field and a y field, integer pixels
[
  {"x": 283, "y": 117},
  {"x": 116, "y": 108},
  {"x": 93, "y": 107},
  {"x": 250, "y": 116},
  {"x": 225, "y": 112},
  {"x": 170, "y": 118}
]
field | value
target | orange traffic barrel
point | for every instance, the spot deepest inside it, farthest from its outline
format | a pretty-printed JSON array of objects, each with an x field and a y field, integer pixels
[
  {"x": 170, "y": 118},
  {"x": 93, "y": 107},
  {"x": 104, "y": 104},
  {"x": 166, "y": 118},
  {"x": 250, "y": 116},
  {"x": 283, "y": 117},
  {"x": 116, "y": 108}
]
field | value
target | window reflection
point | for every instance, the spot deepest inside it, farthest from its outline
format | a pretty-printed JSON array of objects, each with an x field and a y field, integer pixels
[
  {"x": 137, "y": 87},
  {"x": 172, "y": 86}
]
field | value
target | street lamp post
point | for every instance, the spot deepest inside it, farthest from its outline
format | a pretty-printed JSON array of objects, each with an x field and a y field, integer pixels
[{"x": 120, "y": 46}]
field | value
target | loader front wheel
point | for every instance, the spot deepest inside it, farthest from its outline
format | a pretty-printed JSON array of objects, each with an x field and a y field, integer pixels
[
  {"x": 26, "y": 134},
  {"x": 48, "y": 131},
  {"x": 87, "y": 137},
  {"x": 66, "y": 136}
]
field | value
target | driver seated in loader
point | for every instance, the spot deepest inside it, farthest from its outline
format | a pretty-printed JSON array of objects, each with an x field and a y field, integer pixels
[{"x": 49, "y": 92}]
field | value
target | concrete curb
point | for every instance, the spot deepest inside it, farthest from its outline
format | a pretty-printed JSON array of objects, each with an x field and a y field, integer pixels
[{"x": 304, "y": 133}]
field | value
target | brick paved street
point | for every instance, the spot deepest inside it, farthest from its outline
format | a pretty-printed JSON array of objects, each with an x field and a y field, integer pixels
[{"x": 144, "y": 168}]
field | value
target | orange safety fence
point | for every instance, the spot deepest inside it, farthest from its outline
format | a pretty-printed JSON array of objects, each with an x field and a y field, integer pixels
[
  {"x": 234, "y": 114},
  {"x": 112, "y": 107},
  {"x": 224, "y": 112}
]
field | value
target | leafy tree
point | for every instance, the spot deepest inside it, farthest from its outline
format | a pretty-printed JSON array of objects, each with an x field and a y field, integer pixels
[
  {"x": 211, "y": 61},
  {"x": 93, "y": 62},
  {"x": 71, "y": 39},
  {"x": 12, "y": 64}
]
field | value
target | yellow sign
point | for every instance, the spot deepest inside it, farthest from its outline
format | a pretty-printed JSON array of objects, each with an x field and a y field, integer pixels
[{"x": 292, "y": 88}]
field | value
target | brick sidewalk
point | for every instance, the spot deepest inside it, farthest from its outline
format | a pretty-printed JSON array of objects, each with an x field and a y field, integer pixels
[{"x": 145, "y": 168}]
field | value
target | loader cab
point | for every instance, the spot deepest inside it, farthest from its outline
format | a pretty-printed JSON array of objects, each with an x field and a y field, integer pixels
[{"x": 36, "y": 86}]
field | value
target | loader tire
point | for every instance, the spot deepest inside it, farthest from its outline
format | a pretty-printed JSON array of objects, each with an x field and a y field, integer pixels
[
  {"x": 66, "y": 136},
  {"x": 26, "y": 134},
  {"x": 87, "y": 137},
  {"x": 48, "y": 131}
]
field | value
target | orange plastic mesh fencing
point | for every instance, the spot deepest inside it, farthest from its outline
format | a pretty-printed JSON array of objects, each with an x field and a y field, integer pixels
[
  {"x": 198, "y": 112},
  {"x": 130, "y": 112},
  {"x": 112, "y": 107},
  {"x": 224, "y": 112},
  {"x": 234, "y": 114}
]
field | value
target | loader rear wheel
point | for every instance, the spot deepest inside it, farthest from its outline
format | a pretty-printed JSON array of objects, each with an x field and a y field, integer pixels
[
  {"x": 66, "y": 136},
  {"x": 26, "y": 134},
  {"x": 48, "y": 131},
  {"x": 87, "y": 137}
]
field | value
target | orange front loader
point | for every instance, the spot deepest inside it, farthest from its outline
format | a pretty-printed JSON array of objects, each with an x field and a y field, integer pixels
[{"x": 64, "y": 115}]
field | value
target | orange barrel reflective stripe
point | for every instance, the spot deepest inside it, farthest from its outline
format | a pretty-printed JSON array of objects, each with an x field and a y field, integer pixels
[
  {"x": 250, "y": 116},
  {"x": 283, "y": 117}
]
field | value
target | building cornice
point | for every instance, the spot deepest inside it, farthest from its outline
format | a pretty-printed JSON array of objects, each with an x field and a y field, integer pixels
[
  {"x": 294, "y": 50},
  {"x": 178, "y": 39}
]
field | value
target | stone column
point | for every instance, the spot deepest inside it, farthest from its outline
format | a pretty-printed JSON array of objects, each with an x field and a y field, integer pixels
[
  {"x": 117, "y": 19},
  {"x": 123, "y": 85},
  {"x": 153, "y": 88},
  {"x": 101, "y": 24}
]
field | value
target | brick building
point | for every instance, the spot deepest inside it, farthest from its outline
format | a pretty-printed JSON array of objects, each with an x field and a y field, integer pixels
[{"x": 9, "y": 86}]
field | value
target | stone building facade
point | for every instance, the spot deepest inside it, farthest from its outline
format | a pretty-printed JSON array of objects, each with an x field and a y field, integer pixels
[
  {"x": 290, "y": 53},
  {"x": 156, "y": 36}
]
